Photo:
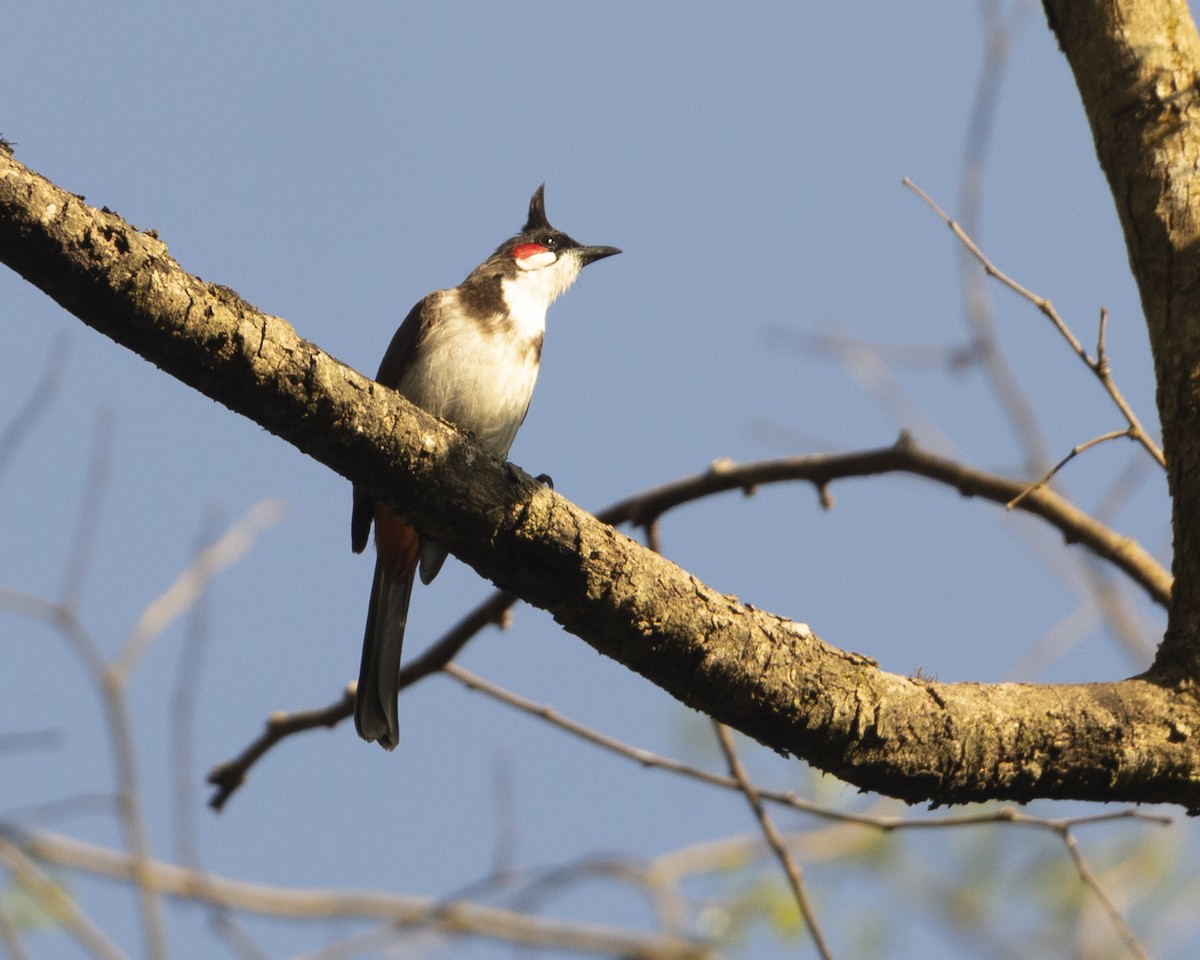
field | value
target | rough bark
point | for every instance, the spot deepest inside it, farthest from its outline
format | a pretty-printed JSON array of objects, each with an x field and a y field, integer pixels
[
  {"x": 1136, "y": 62},
  {"x": 769, "y": 677}
]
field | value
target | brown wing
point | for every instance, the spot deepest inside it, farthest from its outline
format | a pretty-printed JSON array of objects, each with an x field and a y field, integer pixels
[{"x": 391, "y": 369}]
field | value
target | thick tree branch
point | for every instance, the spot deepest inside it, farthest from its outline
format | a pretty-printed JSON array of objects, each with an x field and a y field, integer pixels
[
  {"x": 764, "y": 675},
  {"x": 1136, "y": 64},
  {"x": 723, "y": 476}
]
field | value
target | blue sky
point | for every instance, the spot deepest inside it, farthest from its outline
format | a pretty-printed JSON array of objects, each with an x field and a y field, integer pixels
[{"x": 334, "y": 163}]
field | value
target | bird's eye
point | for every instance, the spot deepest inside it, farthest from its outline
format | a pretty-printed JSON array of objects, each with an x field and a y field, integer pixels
[{"x": 549, "y": 242}]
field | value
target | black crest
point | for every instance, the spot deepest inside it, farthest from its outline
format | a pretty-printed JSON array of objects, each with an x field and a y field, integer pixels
[{"x": 537, "y": 212}]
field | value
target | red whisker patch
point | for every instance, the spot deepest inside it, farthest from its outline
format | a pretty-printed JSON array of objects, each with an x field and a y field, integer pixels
[{"x": 528, "y": 250}]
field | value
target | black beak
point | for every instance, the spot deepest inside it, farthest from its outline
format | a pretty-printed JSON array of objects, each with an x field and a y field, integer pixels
[{"x": 592, "y": 254}]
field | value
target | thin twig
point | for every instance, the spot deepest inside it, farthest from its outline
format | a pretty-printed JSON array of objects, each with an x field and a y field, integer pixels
[
  {"x": 654, "y": 535},
  {"x": 36, "y": 403},
  {"x": 133, "y": 821},
  {"x": 231, "y": 774},
  {"x": 998, "y": 28},
  {"x": 183, "y": 707},
  {"x": 504, "y": 807},
  {"x": 1102, "y": 370},
  {"x": 648, "y": 758},
  {"x": 224, "y": 924},
  {"x": 866, "y": 364},
  {"x": 774, "y": 840},
  {"x": 56, "y": 901},
  {"x": 95, "y": 488},
  {"x": 1099, "y": 366},
  {"x": 1090, "y": 879},
  {"x": 62, "y": 808},
  {"x": 227, "y": 777},
  {"x": 1013, "y": 400},
  {"x": 668, "y": 903},
  {"x": 63, "y": 617},
  {"x": 1074, "y": 452},
  {"x": 179, "y": 597},
  {"x": 29, "y": 740}
]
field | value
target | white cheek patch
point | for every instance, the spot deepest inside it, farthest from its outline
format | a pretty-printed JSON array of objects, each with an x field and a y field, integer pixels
[{"x": 536, "y": 261}]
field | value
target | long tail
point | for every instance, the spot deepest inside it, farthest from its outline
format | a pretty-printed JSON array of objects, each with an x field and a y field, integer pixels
[
  {"x": 397, "y": 549},
  {"x": 379, "y": 673}
]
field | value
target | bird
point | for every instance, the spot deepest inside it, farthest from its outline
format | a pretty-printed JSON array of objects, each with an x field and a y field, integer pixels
[{"x": 469, "y": 355}]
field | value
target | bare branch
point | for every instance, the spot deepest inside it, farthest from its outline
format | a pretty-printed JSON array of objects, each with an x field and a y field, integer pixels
[
  {"x": 231, "y": 774},
  {"x": 35, "y": 404},
  {"x": 64, "y": 620},
  {"x": 95, "y": 485},
  {"x": 227, "y": 551},
  {"x": 1075, "y": 451},
  {"x": 723, "y": 476},
  {"x": 904, "y": 457},
  {"x": 1089, "y": 878},
  {"x": 10, "y": 936},
  {"x": 1099, "y": 366},
  {"x": 133, "y": 822},
  {"x": 183, "y": 710},
  {"x": 774, "y": 840},
  {"x": 457, "y": 918},
  {"x": 647, "y": 758},
  {"x": 987, "y": 347},
  {"x": 56, "y": 901},
  {"x": 111, "y": 681},
  {"x": 227, "y": 777}
]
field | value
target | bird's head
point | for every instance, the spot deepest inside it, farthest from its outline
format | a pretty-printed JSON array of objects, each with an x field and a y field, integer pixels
[
  {"x": 542, "y": 259},
  {"x": 539, "y": 245}
]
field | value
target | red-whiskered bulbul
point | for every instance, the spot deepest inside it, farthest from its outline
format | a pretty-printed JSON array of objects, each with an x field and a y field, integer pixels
[{"x": 469, "y": 355}]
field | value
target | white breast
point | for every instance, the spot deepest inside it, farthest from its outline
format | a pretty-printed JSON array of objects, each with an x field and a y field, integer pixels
[
  {"x": 478, "y": 375},
  {"x": 537, "y": 285}
]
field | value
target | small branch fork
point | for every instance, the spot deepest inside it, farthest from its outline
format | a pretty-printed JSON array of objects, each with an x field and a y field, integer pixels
[
  {"x": 774, "y": 840},
  {"x": 111, "y": 679},
  {"x": 1063, "y": 828},
  {"x": 230, "y": 775},
  {"x": 794, "y": 801},
  {"x": 1098, "y": 365},
  {"x": 904, "y": 456},
  {"x": 1075, "y": 451}
]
